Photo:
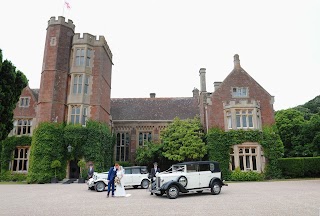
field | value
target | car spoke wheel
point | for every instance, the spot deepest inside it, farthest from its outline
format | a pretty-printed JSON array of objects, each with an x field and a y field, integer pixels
[
  {"x": 145, "y": 183},
  {"x": 215, "y": 188},
  {"x": 172, "y": 192},
  {"x": 100, "y": 186}
]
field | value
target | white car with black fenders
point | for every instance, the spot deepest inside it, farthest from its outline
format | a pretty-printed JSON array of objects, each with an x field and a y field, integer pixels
[
  {"x": 186, "y": 177},
  {"x": 135, "y": 176}
]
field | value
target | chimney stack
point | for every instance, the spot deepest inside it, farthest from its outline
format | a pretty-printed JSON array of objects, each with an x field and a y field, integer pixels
[
  {"x": 216, "y": 85},
  {"x": 236, "y": 61},
  {"x": 152, "y": 95},
  {"x": 202, "y": 74}
]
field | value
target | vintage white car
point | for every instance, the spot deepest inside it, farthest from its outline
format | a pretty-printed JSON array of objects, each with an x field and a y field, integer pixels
[
  {"x": 195, "y": 176},
  {"x": 135, "y": 176}
]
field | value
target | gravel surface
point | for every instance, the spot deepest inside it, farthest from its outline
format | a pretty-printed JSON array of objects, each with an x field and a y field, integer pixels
[{"x": 295, "y": 197}]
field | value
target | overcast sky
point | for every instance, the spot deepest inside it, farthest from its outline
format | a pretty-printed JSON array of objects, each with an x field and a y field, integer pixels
[{"x": 159, "y": 46}]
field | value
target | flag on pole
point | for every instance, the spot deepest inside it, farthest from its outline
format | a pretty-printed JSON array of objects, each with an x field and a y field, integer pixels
[{"x": 67, "y": 4}]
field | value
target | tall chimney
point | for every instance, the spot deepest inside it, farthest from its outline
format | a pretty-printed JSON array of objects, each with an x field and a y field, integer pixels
[
  {"x": 152, "y": 95},
  {"x": 202, "y": 74},
  {"x": 236, "y": 61}
]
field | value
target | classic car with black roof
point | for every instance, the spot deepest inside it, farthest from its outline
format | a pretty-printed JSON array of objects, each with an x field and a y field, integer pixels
[{"x": 186, "y": 177}]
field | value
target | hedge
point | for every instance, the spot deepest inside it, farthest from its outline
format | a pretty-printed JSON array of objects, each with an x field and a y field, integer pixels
[{"x": 300, "y": 167}]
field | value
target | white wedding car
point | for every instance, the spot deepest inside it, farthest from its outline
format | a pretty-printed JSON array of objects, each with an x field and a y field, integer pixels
[
  {"x": 135, "y": 176},
  {"x": 194, "y": 176}
]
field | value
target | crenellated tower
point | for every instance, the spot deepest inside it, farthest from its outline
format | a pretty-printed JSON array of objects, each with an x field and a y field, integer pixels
[{"x": 55, "y": 69}]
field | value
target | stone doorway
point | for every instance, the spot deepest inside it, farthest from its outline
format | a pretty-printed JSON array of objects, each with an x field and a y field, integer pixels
[{"x": 74, "y": 169}]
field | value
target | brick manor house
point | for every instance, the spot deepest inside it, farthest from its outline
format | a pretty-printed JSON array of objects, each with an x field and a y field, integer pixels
[{"x": 76, "y": 85}]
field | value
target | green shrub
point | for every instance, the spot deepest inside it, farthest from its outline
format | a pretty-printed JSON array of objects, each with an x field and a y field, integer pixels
[
  {"x": 124, "y": 163},
  {"x": 300, "y": 167},
  {"x": 238, "y": 175},
  {"x": 16, "y": 177}
]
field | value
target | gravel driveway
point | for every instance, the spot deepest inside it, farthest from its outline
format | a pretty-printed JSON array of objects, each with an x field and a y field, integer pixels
[{"x": 295, "y": 197}]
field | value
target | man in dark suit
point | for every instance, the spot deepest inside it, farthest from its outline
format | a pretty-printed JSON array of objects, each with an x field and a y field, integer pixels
[
  {"x": 90, "y": 171},
  {"x": 111, "y": 176},
  {"x": 153, "y": 173}
]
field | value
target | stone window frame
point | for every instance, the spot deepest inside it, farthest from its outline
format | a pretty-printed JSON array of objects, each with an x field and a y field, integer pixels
[
  {"x": 86, "y": 84},
  {"x": 24, "y": 101},
  {"x": 122, "y": 147},
  {"x": 247, "y": 156},
  {"x": 20, "y": 159},
  {"x": 75, "y": 111},
  {"x": 80, "y": 56},
  {"x": 88, "y": 57},
  {"x": 232, "y": 106},
  {"x": 240, "y": 92},
  {"x": 77, "y": 83},
  {"x": 84, "y": 117},
  {"x": 243, "y": 117},
  {"x": 144, "y": 137},
  {"x": 22, "y": 126}
]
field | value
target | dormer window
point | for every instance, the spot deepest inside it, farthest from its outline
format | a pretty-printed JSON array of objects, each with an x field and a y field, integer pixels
[
  {"x": 240, "y": 92},
  {"x": 24, "y": 102}
]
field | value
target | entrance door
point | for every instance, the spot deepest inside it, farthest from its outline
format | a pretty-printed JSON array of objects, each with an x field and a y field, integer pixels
[{"x": 74, "y": 169}]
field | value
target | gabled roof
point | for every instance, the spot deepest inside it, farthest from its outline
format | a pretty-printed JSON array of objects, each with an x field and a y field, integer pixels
[
  {"x": 35, "y": 93},
  {"x": 238, "y": 69},
  {"x": 154, "y": 108}
]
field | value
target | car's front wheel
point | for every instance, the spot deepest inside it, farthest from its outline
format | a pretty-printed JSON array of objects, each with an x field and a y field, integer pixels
[
  {"x": 145, "y": 183},
  {"x": 215, "y": 188},
  {"x": 100, "y": 186},
  {"x": 172, "y": 192}
]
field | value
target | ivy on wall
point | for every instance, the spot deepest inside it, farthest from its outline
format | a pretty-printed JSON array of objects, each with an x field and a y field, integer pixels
[
  {"x": 50, "y": 141},
  {"x": 219, "y": 143},
  {"x": 8, "y": 146},
  {"x": 47, "y": 145}
]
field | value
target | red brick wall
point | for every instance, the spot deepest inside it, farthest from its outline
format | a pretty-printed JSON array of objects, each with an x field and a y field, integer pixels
[
  {"x": 26, "y": 112},
  {"x": 54, "y": 77},
  {"x": 223, "y": 94},
  {"x": 101, "y": 86}
]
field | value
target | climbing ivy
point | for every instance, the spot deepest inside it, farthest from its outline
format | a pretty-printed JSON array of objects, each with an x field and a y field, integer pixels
[
  {"x": 219, "y": 143},
  {"x": 50, "y": 141},
  {"x": 6, "y": 148}
]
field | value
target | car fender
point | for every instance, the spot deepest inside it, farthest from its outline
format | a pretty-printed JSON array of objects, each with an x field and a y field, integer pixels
[
  {"x": 166, "y": 185},
  {"x": 101, "y": 180},
  {"x": 215, "y": 180}
]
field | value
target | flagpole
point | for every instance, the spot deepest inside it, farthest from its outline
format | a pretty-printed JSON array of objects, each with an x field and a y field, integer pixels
[{"x": 63, "y": 8}]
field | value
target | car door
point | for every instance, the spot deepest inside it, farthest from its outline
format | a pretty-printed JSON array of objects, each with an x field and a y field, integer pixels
[
  {"x": 205, "y": 174},
  {"x": 127, "y": 178},
  {"x": 192, "y": 176},
  {"x": 136, "y": 176}
]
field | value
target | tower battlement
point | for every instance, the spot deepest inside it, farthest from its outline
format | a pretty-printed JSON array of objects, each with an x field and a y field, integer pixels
[
  {"x": 93, "y": 41},
  {"x": 61, "y": 21}
]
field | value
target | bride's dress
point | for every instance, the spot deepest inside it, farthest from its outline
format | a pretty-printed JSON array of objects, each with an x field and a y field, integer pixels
[{"x": 120, "y": 192}]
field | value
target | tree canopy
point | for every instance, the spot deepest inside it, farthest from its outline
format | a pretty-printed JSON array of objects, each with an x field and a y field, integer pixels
[
  {"x": 183, "y": 140},
  {"x": 12, "y": 82}
]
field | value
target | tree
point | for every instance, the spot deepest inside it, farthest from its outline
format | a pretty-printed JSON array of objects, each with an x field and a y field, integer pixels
[
  {"x": 12, "y": 82},
  {"x": 149, "y": 153},
  {"x": 183, "y": 140},
  {"x": 289, "y": 124}
]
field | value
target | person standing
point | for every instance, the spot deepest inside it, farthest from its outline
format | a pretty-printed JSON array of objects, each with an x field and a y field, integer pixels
[
  {"x": 120, "y": 192},
  {"x": 153, "y": 173},
  {"x": 111, "y": 176},
  {"x": 90, "y": 171}
]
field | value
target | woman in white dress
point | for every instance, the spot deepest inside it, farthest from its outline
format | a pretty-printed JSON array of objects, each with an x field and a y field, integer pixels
[{"x": 120, "y": 192}]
